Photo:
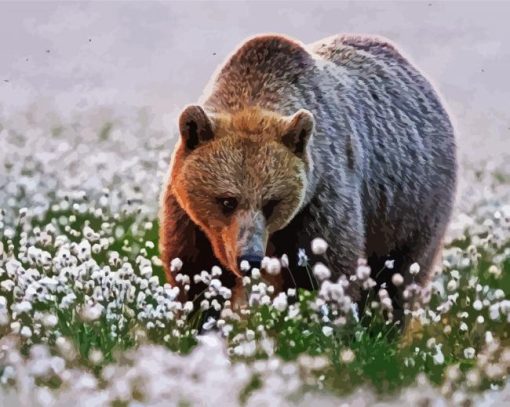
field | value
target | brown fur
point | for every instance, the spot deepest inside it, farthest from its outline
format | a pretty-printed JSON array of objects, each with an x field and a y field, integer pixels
[
  {"x": 216, "y": 169},
  {"x": 370, "y": 165}
]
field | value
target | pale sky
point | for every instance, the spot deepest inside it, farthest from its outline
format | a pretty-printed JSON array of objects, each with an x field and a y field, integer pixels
[{"x": 159, "y": 55}]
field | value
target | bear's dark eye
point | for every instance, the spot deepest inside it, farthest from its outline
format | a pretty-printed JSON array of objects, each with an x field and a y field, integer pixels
[
  {"x": 269, "y": 207},
  {"x": 228, "y": 205}
]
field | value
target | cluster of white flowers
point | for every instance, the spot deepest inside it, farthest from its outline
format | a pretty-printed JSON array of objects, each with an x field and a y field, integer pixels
[
  {"x": 152, "y": 374},
  {"x": 76, "y": 259},
  {"x": 49, "y": 270},
  {"x": 334, "y": 302}
]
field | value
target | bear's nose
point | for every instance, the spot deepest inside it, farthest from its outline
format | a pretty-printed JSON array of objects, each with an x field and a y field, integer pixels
[{"x": 254, "y": 260}]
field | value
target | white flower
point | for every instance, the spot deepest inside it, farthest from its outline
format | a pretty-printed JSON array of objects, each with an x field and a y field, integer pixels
[
  {"x": 495, "y": 270},
  {"x": 321, "y": 271},
  {"x": 188, "y": 307},
  {"x": 271, "y": 265},
  {"x": 26, "y": 332},
  {"x": 209, "y": 324},
  {"x": 431, "y": 342},
  {"x": 265, "y": 300},
  {"x": 284, "y": 261},
  {"x": 414, "y": 269},
  {"x": 452, "y": 285},
  {"x": 84, "y": 251},
  {"x": 245, "y": 266},
  {"x": 386, "y": 303},
  {"x": 96, "y": 356},
  {"x": 453, "y": 372},
  {"x": 302, "y": 258},
  {"x": 499, "y": 294},
  {"x": 455, "y": 274},
  {"x": 280, "y": 302},
  {"x": 176, "y": 265},
  {"x": 477, "y": 305},
  {"x": 9, "y": 233},
  {"x": 397, "y": 279},
  {"x": 472, "y": 376},
  {"x": 255, "y": 273},
  {"x": 68, "y": 300},
  {"x": 362, "y": 272},
  {"x": 347, "y": 356},
  {"x": 383, "y": 293},
  {"x": 469, "y": 353},
  {"x": 7, "y": 285},
  {"x": 90, "y": 235},
  {"x": 333, "y": 292},
  {"x": 225, "y": 292},
  {"x": 22, "y": 307},
  {"x": 50, "y": 321},
  {"x": 92, "y": 312},
  {"x": 319, "y": 246},
  {"x": 4, "y": 317},
  {"x": 327, "y": 330},
  {"x": 505, "y": 307},
  {"x": 494, "y": 311},
  {"x": 15, "y": 326},
  {"x": 204, "y": 305},
  {"x": 438, "y": 356},
  {"x": 216, "y": 271},
  {"x": 389, "y": 264}
]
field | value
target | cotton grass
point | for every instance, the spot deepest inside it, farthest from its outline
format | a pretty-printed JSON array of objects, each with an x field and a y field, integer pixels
[{"x": 87, "y": 316}]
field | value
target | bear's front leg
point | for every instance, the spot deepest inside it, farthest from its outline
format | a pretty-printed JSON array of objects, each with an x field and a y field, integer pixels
[
  {"x": 339, "y": 223},
  {"x": 180, "y": 237}
]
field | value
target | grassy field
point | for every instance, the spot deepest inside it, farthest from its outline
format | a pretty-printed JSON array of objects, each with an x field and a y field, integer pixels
[{"x": 87, "y": 317}]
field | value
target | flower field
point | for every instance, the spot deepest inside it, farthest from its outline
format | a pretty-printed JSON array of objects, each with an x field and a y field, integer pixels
[{"x": 86, "y": 316}]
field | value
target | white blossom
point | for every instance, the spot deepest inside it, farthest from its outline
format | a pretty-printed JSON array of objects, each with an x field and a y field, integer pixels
[
  {"x": 319, "y": 246},
  {"x": 280, "y": 302},
  {"x": 414, "y": 269},
  {"x": 397, "y": 279},
  {"x": 321, "y": 271},
  {"x": 327, "y": 330},
  {"x": 176, "y": 265}
]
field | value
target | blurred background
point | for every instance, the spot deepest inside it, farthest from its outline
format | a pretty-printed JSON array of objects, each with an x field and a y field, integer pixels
[{"x": 97, "y": 60}]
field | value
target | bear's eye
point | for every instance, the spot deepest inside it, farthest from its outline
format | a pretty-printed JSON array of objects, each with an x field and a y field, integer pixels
[
  {"x": 228, "y": 205},
  {"x": 269, "y": 207}
]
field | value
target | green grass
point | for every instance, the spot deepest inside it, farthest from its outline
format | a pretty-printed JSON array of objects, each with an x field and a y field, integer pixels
[{"x": 384, "y": 359}]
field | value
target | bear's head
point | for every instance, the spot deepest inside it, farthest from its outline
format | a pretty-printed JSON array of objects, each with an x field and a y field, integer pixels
[{"x": 241, "y": 177}]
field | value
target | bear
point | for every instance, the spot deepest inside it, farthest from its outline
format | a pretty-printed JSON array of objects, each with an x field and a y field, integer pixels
[{"x": 342, "y": 139}]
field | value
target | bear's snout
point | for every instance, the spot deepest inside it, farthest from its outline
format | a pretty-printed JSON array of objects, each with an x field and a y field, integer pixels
[{"x": 251, "y": 239}]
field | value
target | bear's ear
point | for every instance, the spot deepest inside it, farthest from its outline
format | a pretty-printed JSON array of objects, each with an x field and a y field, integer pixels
[
  {"x": 299, "y": 129},
  {"x": 195, "y": 127}
]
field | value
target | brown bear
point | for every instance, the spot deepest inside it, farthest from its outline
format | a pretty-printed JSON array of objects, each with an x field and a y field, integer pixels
[{"x": 343, "y": 139}]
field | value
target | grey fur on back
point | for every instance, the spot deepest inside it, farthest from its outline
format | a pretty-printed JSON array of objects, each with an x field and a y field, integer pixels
[{"x": 384, "y": 159}]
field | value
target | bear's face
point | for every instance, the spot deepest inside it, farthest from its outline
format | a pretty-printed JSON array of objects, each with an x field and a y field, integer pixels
[{"x": 241, "y": 177}]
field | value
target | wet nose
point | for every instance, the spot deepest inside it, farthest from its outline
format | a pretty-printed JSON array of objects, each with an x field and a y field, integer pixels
[{"x": 254, "y": 260}]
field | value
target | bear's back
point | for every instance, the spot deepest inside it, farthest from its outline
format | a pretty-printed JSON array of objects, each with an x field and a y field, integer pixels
[
  {"x": 257, "y": 72},
  {"x": 402, "y": 128},
  {"x": 375, "y": 65}
]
